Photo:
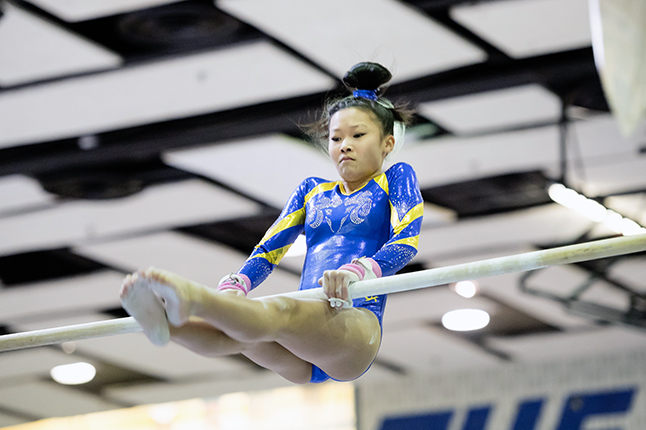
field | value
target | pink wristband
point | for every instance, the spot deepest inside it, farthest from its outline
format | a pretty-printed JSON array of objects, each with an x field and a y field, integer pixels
[
  {"x": 375, "y": 267},
  {"x": 354, "y": 268},
  {"x": 359, "y": 270},
  {"x": 235, "y": 282}
]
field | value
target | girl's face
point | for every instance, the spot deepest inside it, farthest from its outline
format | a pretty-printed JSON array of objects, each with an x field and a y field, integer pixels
[{"x": 357, "y": 147}]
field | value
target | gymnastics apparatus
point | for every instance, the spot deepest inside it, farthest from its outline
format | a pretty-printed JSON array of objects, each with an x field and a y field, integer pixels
[{"x": 392, "y": 284}]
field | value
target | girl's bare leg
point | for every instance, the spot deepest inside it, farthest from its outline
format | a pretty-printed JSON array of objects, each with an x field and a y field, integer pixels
[
  {"x": 342, "y": 342},
  {"x": 201, "y": 337},
  {"x": 204, "y": 339}
]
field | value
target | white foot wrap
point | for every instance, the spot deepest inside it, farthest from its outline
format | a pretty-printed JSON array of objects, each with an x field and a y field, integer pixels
[
  {"x": 177, "y": 310},
  {"x": 175, "y": 292},
  {"x": 141, "y": 303}
]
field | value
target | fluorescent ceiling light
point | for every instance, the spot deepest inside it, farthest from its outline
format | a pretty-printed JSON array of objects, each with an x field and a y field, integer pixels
[
  {"x": 594, "y": 210},
  {"x": 577, "y": 202},
  {"x": 73, "y": 374},
  {"x": 465, "y": 319},
  {"x": 466, "y": 289}
]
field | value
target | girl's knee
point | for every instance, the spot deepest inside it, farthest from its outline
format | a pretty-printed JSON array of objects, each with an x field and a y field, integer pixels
[{"x": 281, "y": 309}]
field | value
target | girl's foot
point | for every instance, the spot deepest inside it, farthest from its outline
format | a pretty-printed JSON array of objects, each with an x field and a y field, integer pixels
[
  {"x": 140, "y": 302},
  {"x": 175, "y": 292}
]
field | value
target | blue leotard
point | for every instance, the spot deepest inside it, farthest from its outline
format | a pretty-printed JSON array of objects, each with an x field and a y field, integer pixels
[{"x": 381, "y": 220}]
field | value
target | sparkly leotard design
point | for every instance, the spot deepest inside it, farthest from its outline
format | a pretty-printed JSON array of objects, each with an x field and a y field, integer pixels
[{"x": 382, "y": 220}]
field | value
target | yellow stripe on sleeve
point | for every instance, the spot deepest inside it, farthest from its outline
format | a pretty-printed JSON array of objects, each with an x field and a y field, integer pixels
[
  {"x": 274, "y": 256},
  {"x": 410, "y": 241},
  {"x": 410, "y": 216},
  {"x": 291, "y": 220},
  {"x": 296, "y": 217}
]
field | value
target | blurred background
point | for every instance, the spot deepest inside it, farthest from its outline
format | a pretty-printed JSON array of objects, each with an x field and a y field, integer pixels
[{"x": 168, "y": 133}]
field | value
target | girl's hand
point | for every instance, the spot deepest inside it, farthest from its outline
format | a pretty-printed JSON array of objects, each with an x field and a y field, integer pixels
[
  {"x": 335, "y": 285},
  {"x": 232, "y": 292},
  {"x": 236, "y": 284},
  {"x": 335, "y": 282}
]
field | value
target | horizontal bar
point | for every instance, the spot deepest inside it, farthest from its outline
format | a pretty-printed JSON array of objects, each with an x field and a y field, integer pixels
[
  {"x": 498, "y": 266},
  {"x": 50, "y": 336},
  {"x": 392, "y": 284}
]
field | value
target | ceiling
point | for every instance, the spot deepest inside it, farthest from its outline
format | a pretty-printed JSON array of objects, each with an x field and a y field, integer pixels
[{"x": 160, "y": 132}]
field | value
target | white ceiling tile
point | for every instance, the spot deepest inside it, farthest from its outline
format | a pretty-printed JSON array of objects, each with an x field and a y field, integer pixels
[
  {"x": 567, "y": 280},
  {"x": 32, "y": 49},
  {"x": 598, "y": 140},
  {"x": 426, "y": 350},
  {"x": 543, "y": 224},
  {"x": 84, "y": 293},
  {"x": 205, "y": 388},
  {"x": 196, "y": 259},
  {"x": 632, "y": 271},
  {"x": 19, "y": 192},
  {"x": 293, "y": 263},
  {"x": 494, "y": 110},
  {"x": 529, "y": 27},
  {"x": 436, "y": 216},
  {"x": 74, "y": 10},
  {"x": 48, "y": 399},
  {"x": 561, "y": 281},
  {"x": 164, "y": 90},
  {"x": 133, "y": 351},
  {"x": 627, "y": 174},
  {"x": 561, "y": 346},
  {"x": 338, "y": 39},
  {"x": 31, "y": 363},
  {"x": 448, "y": 160},
  {"x": 428, "y": 305},
  {"x": 81, "y": 222},
  {"x": 603, "y": 161},
  {"x": 506, "y": 289},
  {"x": 606, "y": 295},
  {"x": 250, "y": 165}
]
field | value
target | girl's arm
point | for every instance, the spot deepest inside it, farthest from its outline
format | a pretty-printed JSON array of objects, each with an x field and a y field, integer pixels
[
  {"x": 407, "y": 209},
  {"x": 274, "y": 245}
]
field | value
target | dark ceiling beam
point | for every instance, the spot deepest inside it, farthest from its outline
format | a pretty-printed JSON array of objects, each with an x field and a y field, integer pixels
[
  {"x": 431, "y": 5},
  {"x": 145, "y": 142},
  {"x": 561, "y": 72}
]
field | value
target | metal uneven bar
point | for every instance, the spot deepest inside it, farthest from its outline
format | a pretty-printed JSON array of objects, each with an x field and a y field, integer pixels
[
  {"x": 49, "y": 336},
  {"x": 393, "y": 284}
]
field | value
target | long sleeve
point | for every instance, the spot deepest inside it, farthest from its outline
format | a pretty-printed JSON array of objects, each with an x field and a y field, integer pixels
[
  {"x": 406, "y": 211},
  {"x": 278, "y": 239}
]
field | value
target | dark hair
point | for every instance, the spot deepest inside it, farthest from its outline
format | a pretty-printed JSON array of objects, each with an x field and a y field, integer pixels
[{"x": 362, "y": 76}]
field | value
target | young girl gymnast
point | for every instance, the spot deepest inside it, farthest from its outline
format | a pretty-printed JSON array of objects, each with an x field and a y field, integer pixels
[{"x": 365, "y": 225}]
